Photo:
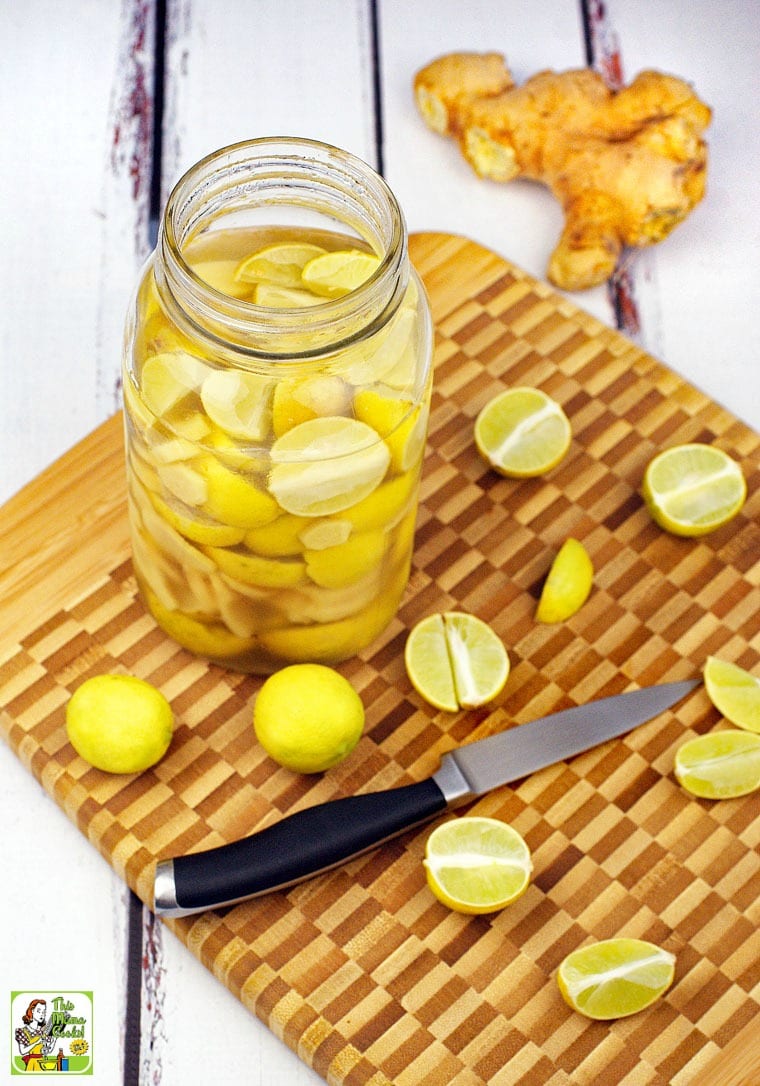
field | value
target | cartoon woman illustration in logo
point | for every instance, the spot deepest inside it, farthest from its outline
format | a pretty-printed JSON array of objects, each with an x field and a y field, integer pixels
[{"x": 34, "y": 1038}]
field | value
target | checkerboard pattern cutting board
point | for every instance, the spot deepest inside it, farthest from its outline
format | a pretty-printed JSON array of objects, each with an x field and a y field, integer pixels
[{"x": 361, "y": 971}]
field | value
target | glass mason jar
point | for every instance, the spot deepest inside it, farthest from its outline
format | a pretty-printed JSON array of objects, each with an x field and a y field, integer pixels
[{"x": 277, "y": 381}]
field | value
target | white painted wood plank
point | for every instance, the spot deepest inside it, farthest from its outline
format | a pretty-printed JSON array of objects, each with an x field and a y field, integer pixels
[
  {"x": 270, "y": 68},
  {"x": 68, "y": 238},
  {"x": 436, "y": 187},
  {"x": 699, "y": 290},
  {"x": 73, "y": 199},
  {"x": 59, "y": 913}
]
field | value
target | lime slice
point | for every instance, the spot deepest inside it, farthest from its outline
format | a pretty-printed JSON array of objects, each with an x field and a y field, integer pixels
[
  {"x": 220, "y": 274},
  {"x": 330, "y": 642},
  {"x": 402, "y": 426},
  {"x": 567, "y": 585},
  {"x": 385, "y": 506},
  {"x": 210, "y": 639},
  {"x": 280, "y": 264},
  {"x": 184, "y": 482},
  {"x": 166, "y": 380},
  {"x": 615, "y": 977},
  {"x": 332, "y": 275},
  {"x": 274, "y": 297},
  {"x": 278, "y": 539},
  {"x": 300, "y": 399},
  {"x": 390, "y": 356},
  {"x": 325, "y": 465},
  {"x": 734, "y": 693},
  {"x": 308, "y": 717},
  {"x": 256, "y": 569},
  {"x": 197, "y": 528},
  {"x": 238, "y": 403},
  {"x": 477, "y": 865},
  {"x": 345, "y": 563},
  {"x": 455, "y": 660},
  {"x": 720, "y": 765},
  {"x": 233, "y": 499},
  {"x": 522, "y": 432},
  {"x": 320, "y": 534},
  {"x": 690, "y": 490}
]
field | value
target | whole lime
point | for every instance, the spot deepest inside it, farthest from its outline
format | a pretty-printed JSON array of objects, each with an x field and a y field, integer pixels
[
  {"x": 119, "y": 723},
  {"x": 308, "y": 717}
]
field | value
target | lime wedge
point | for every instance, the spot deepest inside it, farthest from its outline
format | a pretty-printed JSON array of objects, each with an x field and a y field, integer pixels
[
  {"x": 690, "y": 490},
  {"x": 615, "y": 977}
]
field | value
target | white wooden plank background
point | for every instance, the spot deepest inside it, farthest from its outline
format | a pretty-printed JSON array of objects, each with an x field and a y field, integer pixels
[{"x": 76, "y": 91}]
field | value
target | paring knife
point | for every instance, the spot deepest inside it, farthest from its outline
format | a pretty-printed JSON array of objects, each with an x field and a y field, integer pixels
[{"x": 318, "y": 838}]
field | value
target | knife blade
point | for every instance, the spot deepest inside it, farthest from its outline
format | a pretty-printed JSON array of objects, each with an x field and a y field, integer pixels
[{"x": 318, "y": 838}]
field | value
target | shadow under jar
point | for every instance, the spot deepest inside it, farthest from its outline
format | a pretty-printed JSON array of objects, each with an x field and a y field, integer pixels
[{"x": 277, "y": 380}]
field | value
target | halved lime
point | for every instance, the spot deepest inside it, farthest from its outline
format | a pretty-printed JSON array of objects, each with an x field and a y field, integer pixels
[
  {"x": 690, "y": 490},
  {"x": 522, "y": 432},
  {"x": 455, "y": 660},
  {"x": 477, "y": 865}
]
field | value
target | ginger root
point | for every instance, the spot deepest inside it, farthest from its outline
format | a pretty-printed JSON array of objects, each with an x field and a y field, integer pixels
[{"x": 627, "y": 166}]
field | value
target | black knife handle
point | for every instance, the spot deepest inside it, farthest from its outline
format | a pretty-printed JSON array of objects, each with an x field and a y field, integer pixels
[{"x": 295, "y": 848}]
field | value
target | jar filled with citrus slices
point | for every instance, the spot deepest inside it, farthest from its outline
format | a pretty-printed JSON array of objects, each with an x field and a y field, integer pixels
[{"x": 277, "y": 382}]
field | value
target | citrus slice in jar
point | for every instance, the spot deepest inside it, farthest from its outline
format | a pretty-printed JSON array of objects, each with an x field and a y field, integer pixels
[
  {"x": 205, "y": 638},
  {"x": 280, "y": 263},
  {"x": 326, "y": 465},
  {"x": 721, "y": 765},
  {"x": 691, "y": 490},
  {"x": 385, "y": 506},
  {"x": 166, "y": 379},
  {"x": 332, "y": 275},
  {"x": 477, "y": 865},
  {"x": 238, "y": 403},
  {"x": 400, "y": 425},
  {"x": 274, "y": 297},
  {"x": 278, "y": 539},
  {"x": 299, "y": 399},
  {"x": 330, "y": 642},
  {"x": 197, "y": 528},
  {"x": 220, "y": 274},
  {"x": 255, "y": 569},
  {"x": 522, "y": 432},
  {"x": 233, "y": 499},
  {"x": 615, "y": 977},
  {"x": 345, "y": 563},
  {"x": 455, "y": 660},
  {"x": 734, "y": 693}
]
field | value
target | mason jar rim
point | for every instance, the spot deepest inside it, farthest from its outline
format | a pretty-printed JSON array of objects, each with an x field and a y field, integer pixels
[{"x": 290, "y": 171}]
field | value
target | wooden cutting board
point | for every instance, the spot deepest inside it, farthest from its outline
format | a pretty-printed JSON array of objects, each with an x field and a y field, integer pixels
[{"x": 361, "y": 970}]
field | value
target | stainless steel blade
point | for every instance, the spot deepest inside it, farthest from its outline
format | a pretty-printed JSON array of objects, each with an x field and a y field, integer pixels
[{"x": 499, "y": 759}]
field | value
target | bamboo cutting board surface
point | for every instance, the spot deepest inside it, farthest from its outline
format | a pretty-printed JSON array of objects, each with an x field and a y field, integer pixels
[{"x": 365, "y": 975}]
